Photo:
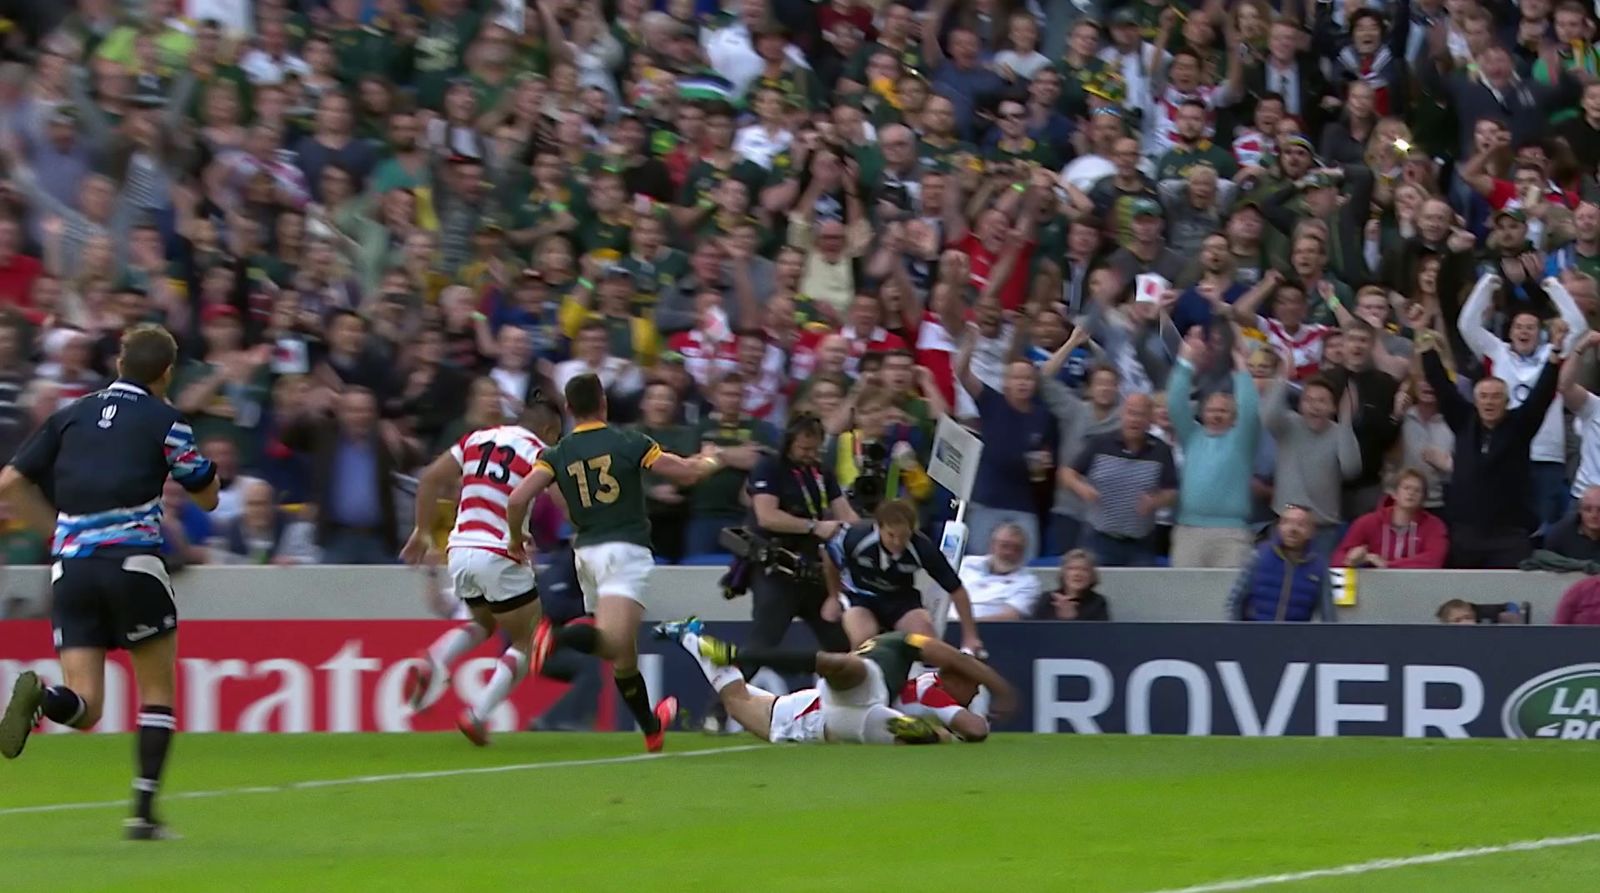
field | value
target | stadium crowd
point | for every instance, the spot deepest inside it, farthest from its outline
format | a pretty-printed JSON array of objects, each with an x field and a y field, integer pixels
[{"x": 1187, "y": 269}]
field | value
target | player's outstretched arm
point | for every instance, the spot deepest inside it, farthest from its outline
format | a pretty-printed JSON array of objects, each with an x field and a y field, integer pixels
[
  {"x": 944, "y": 657},
  {"x": 687, "y": 471},
  {"x": 435, "y": 478}
]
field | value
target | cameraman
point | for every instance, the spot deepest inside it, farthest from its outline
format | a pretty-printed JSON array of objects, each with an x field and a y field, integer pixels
[
  {"x": 875, "y": 461},
  {"x": 797, "y": 506}
]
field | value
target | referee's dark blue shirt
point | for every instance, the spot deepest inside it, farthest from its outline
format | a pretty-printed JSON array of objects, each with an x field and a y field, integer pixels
[
  {"x": 103, "y": 462},
  {"x": 867, "y": 570}
]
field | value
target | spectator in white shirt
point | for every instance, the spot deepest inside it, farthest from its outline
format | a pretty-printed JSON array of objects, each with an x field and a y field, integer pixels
[
  {"x": 272, "y": 60},
  {"x": 1000, "y": 585},
  {"x": 762, "y": 141},
  {"x": 591, "y": 352}
]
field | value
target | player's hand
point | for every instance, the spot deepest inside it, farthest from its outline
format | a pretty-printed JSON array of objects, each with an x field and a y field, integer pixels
[
  {"x": 518, "y": 550},
  {"x": 974, "y": 646},
  {"x": 825, "y": 530},
  {"x": 832, "y": 611},
  {"x": 418, "y": 549},
  {"x": 1002, "y": 703}
]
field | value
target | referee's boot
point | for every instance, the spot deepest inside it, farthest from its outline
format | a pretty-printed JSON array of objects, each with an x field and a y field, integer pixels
[
  {"x": 139, "y": 829},
  {"x": 22, "y": 714}
]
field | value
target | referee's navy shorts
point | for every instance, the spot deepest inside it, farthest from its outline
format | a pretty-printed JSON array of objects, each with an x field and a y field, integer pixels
[{"x": 111, "y": 602}]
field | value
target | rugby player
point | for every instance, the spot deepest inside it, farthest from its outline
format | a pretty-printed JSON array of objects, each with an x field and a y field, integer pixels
[
  {"x": 856, "y": 690},
  {"x": 599, "y": 471},
  {"x": 871, "y": 574},
  {"x": 486, "y": 464},
  {"x": 103, "y": 461}
]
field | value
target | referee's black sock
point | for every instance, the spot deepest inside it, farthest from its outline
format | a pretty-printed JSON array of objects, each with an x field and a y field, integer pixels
[
  {"x": 631, "y": 687},
  {"x": 63, "y": 705},
  {"x": 584, "y": 637},
  {"x": 156, "y": 725},
  {"x": 780, "y": 660}
]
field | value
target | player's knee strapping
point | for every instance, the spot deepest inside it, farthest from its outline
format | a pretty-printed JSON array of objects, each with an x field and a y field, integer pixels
[{"x": 156, "y": 727}]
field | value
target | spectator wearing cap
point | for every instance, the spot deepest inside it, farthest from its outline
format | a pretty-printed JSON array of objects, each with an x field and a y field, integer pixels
[
  {"x": 1132, "y": 56},
  {"x": 1287, "y": 579},
  {"x": 630, "y": 337},
  {"x": 1486, "y": 502},
  {"x": 224, "y": 391},
  {"x": 1520, "y": 362},
  {"x": 1146, "y": 249},
  {"x": 999, "y": 583},
  {"x": 461, "y": 200},
  {"x": 1341, "y": 199}
]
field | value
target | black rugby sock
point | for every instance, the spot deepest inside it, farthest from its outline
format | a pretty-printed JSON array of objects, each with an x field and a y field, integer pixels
[
  {"x": 63, "y": 705},
  {"x": 584, "y": 637},
  {"x": 631, "y": 687},
  {"x": 781, "y": 661},
  {"x": 156, "y": 726}
]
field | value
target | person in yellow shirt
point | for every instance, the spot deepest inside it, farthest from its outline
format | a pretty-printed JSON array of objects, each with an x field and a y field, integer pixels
[{"x": 609, "y": 299}]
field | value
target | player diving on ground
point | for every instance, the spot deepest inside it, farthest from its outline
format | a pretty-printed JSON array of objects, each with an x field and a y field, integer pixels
[{"x": 866, "y": 697}]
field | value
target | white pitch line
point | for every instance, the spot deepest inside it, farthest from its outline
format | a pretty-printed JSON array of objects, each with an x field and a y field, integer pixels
[
  {"x": 1358, "y": 868},
  {"x": 379, "y": 779}
]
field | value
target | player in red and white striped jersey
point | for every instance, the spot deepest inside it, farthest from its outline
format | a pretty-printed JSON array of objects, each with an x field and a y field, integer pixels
[{"x": 499, "y": 591}]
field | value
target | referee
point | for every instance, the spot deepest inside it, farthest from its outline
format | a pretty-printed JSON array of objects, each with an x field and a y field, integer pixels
[
  {"x": 102, "y": 462},
  {"x": 798, "y": 506}
]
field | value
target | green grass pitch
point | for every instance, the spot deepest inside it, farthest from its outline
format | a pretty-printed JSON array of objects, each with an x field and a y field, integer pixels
[{"x": 1018, "y": 814}]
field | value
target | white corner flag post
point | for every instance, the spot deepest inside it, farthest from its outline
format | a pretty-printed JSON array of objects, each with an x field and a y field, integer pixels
[{"x": 954, "y": 466}]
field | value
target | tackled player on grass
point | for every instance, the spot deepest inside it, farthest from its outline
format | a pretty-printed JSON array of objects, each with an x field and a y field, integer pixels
[{"x": 867, "y": 697}]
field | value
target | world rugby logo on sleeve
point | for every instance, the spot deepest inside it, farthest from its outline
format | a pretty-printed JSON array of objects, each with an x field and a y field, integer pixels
[{"x": 1563, "y": 703}]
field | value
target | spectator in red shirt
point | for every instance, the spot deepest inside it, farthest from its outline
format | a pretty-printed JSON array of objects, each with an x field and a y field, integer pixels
[
  {"x": 1580, "y": 604},
  {"x": 1400, "y": 534},
  {"x": 17, "y": 270}
]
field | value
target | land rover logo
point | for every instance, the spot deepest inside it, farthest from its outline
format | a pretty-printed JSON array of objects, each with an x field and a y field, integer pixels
[{"x": 1562, "y": 703}]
